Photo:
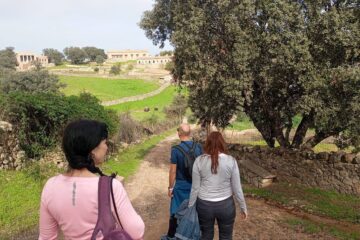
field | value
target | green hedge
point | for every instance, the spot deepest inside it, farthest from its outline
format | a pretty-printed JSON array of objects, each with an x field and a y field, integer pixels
[{"x": 39, "y": 118}]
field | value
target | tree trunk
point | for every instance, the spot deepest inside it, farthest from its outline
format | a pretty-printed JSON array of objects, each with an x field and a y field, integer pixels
[
  {"x": 302, "y": 129},
  {"x": 266, "y": 133},
  {"x": 288, "y": 130},
  {"x": 281, "y": 139}
]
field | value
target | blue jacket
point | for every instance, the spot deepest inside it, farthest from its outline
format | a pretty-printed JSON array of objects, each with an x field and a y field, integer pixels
[{"x": 188, "y": 222}]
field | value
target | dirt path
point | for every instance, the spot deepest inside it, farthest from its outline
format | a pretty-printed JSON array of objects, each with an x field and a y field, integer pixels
[{"x": 148, "y": 192}]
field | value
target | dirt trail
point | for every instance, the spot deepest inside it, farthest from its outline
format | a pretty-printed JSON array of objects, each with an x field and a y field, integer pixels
[{"x": 147, "y": 190}]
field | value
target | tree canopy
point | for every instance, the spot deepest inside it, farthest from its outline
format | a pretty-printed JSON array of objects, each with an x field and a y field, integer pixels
[
  {"x": 95, "y": 54},
  {"x": 76, "y": 55},
  {"x": 8, "y": 58},
  {"x": 272, "y": 60},
  {"x": 55, "y": 56},
  {"x": 33, "y": 81}
]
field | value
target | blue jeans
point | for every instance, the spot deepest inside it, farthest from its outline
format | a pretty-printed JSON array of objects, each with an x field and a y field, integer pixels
[{"x": 223, "y": 211}]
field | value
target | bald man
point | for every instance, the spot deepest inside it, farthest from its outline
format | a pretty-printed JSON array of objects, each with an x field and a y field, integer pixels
[{"x": 179, "y": 175}]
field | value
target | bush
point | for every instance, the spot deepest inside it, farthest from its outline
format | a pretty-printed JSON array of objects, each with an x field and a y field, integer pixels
[
  {"x": 192, "y": 119},
  {"x": 177, "y": 108},
  {"x": 129, "y": 129},
  {"x": 115, "y": 69},
  {"x": 39, "y": 118},
  {"x": 38, "y": 80},
  {"x": 96, "y": 69},
  {"x": 169, "y": 66}
]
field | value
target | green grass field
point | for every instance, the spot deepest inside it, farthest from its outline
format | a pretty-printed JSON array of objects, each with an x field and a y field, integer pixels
[
  {"x": 136, "y": 108},
  {"x": 107, "y": 89}
]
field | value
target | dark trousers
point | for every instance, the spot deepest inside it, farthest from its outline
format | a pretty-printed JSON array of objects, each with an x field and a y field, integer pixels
[
  {"x": 223, "y": 211},
  {"x": 172, "y": 226}
]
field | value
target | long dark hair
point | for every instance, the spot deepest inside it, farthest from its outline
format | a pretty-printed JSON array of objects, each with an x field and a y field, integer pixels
[
  {"x": 214, "y": 145},
  {"x": 79, "y": 139}
]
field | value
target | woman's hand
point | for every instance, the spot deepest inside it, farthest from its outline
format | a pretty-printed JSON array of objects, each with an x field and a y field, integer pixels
[{"x": 243, "y": 215}]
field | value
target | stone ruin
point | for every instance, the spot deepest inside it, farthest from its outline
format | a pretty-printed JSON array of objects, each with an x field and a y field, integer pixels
[
  {"x": 338, "y": 171},
  {"x": 11, "y": 156}
]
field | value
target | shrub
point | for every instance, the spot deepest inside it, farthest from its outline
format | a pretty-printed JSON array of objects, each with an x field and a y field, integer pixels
[
  {"x": 38, "y": 80},
  {"x": 192, "y": 119},
  {"x": 39, "y": 118},
  {"x": 169, "y": 66},
  {"x": 129, "y": 129},
  {"x": 115, "y": 69},
  {"x": 177, "y": 108},
  {"x": 96, "y": 69}
]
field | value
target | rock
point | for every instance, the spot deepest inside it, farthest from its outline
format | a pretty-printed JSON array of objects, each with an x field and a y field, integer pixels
[
  {"x": 6, "y": 126},
  {"x": 146, "y": 109},
  {"x": 356, "y": 159},
  {"x": 347, "y": 158},
  {"x": 323, "y": 156},
  {"x": 335, "y": 158},
  {"x": 21, "y": 155},
  {"x": 124, "y": 145},
  {"x": 257, "y": 149}
]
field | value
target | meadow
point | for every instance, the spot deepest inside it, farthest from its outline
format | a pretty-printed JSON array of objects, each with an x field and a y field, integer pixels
[
  {"x": 107, "y": 89},
  {"x": 158, "y": 101}
]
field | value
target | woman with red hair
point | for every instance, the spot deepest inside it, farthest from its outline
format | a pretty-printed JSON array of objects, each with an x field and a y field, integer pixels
[{"x": 215, "y": 180}]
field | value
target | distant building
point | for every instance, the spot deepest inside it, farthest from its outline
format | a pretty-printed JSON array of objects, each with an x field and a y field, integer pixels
[
  {"x": 126, "y": 55},
  {"x": 154, "y": 60},
  {"x": 26, "y": 60}
]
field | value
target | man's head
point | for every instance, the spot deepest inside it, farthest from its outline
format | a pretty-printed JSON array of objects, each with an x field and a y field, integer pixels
[{"x": 184, "y": 131}]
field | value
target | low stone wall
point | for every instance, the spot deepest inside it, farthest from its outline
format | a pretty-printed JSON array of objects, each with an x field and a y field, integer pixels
[
  {"x": 11, "y": 156},
  {"x": 337, "y": 171}
]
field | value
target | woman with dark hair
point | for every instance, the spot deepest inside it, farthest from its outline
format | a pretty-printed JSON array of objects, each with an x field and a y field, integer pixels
[
  {"x": 69, "y": 201},
  {"x": 215, "y": 180}
]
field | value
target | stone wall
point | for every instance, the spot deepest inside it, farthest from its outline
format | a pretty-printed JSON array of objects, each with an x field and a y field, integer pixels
[
  {"x": 11, "y": 156},
  {"x": 337, "y": 171}
]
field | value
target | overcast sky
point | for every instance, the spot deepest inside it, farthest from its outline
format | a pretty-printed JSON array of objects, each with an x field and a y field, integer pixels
[{"x": 32, "y": 25}]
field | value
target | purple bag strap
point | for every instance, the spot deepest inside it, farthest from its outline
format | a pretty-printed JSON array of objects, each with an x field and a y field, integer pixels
[
  {"x": 105, "y": 222},
  {"x": 113, "y": 200}
]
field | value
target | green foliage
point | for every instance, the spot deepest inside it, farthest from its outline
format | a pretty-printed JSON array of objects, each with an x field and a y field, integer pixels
[
  {"x": 76, "y": 55},
  {"x": 8, "y": 58},
  {"x": 99, "y": 59},
  {"x": 40, "y": 117},
  {"x": 115, "y": 69},
  {"x": 95, "y": 54},
  {"x": 274, "y": 60},
  {"x": 169, "y": 66},
  {"x": 177, "y": 108},
  {"x": 166, "y": 53},
  {"x": 96, "y": 69},
  {"x": 37, "y": 80},
  {"x": 54, "y": 55}
]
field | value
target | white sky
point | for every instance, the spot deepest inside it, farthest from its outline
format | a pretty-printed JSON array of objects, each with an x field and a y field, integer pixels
[{"x": 32, "y": 25}]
